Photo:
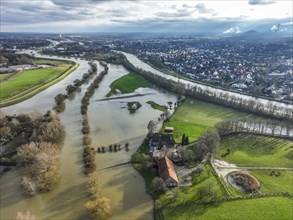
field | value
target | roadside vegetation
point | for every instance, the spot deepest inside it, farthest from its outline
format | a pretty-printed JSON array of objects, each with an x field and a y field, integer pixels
[{"x": 127, "y": 84}]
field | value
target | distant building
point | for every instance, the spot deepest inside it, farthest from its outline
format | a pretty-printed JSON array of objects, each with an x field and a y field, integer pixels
[
  {"x": 167, "y": 172},
  {"x": 169, "y": 129}
]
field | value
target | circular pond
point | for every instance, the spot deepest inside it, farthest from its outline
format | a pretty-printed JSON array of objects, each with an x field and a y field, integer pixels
[{"x": 243, "y": 181}]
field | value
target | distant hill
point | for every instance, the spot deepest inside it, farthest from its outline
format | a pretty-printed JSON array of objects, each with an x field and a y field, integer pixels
[{"x": 251, "y": 32}]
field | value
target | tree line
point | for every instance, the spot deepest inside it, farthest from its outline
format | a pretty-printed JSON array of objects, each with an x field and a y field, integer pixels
[
  {"x": 71, "y": 88},
  {"x": 98, "y": 206},
  {"x": 256, "y": 126},
  {"x": 89, "y": 152},
  {"x": 223, "y": 98}
]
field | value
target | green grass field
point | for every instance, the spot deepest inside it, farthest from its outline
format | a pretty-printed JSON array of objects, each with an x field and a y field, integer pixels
[
  {"x": 193, "y": 117},
  {"x": 155, "y": 105},
  {"x": 272, "y": 183},
  {"x": 29, "y": 79},
  {"x": 128, "y": 84},
  {"x": 271, "y": 208},
  {"x": 31, "y": 82},
  {"x": 193, "y": 131},
  {"x": 254, "y": 151},
  {"x": 190, "y": 194}
]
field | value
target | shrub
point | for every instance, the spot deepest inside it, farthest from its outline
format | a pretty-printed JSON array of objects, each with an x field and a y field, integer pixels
[{"x": 159, "y": 184}]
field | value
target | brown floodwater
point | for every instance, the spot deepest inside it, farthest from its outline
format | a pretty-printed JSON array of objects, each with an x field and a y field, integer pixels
[{"x": 110, "y": 123}]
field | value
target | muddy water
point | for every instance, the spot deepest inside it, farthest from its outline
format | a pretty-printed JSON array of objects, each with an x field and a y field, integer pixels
[
  {"x": 110, "y": 123},
  {"x": 67, "y": 199}
]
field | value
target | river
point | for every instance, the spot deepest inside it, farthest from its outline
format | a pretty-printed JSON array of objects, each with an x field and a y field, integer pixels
[
  {"x": 140, "y": 64},
  {"x": 110, "y": 123}
]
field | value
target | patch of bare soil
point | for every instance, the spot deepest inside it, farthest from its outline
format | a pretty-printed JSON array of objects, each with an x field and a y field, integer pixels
[{"x": 245, "y": 181}]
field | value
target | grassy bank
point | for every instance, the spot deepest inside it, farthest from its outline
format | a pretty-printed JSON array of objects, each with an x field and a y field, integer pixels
[
  {"x": 193, "y": 117},
  {"x": 261, "y": 208},
  {"x": 31, "y": 82},
  {"x": 253, "y": 150},
  {"x": 274, "y": 182},
  {"x": 128, "y": 84},
  {"x": 156, "y": 106}
]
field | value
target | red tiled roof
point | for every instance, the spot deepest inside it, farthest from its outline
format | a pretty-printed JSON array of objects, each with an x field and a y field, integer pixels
[{"x": 166, "y": 169}]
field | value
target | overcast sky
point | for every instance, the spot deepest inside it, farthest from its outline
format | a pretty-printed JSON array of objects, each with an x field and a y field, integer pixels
[{"x": 136, "y": 15}]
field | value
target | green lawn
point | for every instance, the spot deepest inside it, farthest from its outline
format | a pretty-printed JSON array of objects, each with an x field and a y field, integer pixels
[
  {"x": 128, "y": 83},
  {"x": 29, "y": 79},
  {"x": 155, "y": 105},
  {"x": 253, "y": 150},
  {"x": 273, "y": 183},
  {"x": 190, "y": 194},
  {"x": 271, "y": 208},
  {"x": 193, "y": 131},
  {"x": 193, "y": 117}
]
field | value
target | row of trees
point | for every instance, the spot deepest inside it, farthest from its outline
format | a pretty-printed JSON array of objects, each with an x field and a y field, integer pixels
[
  {"x": 71, "y": 88},
  {"x": 210, "y": 140},
  {"x": 258, "y": 126},
  {"x": 98, "y": 206},
  {"x": 89, "y": 152},
  {"x": 222, "y": 98}
]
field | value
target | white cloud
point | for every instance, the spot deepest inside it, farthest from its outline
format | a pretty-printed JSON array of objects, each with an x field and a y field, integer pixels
[
  {"x": 16, "y": 15},
  {"x": 281, "y": 27},
  {"x": 287, "y": 23},
  {"x": 232, "y": 30}
]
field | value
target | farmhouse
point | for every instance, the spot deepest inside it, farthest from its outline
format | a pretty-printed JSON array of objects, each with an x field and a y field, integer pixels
[
  {"x": 167, "y": 172},
  {"x": 158, "y": 141}
]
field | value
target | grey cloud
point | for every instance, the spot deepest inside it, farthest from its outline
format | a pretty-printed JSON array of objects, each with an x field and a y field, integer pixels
[
  {"x": 261, "y": 2},
  {"x": 117, "y": 13},
  {"x": 177, "y": 14},
  {"x": 202, "y": 9}
]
